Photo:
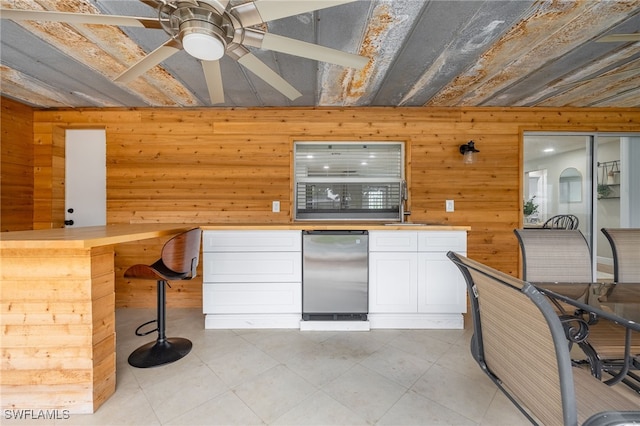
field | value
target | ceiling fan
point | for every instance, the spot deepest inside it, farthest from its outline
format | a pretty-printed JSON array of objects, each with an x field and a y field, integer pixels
[{"x": 210, "y": 29}]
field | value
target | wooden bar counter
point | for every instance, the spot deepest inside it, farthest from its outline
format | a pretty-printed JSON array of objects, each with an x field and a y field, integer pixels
[{"x": 58, "y": 314}]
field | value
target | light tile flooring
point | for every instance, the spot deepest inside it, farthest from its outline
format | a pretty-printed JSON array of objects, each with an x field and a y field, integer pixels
[{"x": 289, "y": 377}]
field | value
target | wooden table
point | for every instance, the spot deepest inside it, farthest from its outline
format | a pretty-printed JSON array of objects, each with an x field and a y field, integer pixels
[{"x": 58, "y": 314}]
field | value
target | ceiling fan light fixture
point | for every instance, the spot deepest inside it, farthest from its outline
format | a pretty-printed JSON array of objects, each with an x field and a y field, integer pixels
[
  {"x": 203, "y": 40},
  {"x": 203, "y": 46}
]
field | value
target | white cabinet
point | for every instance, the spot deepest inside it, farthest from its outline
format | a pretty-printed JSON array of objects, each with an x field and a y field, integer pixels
[
  {"x": 252, "y": 279},
  {"x": 412, "y": 283},
  {"x": 441, "y": 286},
  {"x": 393, "y": 271}
]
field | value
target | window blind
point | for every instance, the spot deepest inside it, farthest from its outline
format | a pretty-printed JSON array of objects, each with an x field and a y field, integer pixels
[{"x": 349, "y": 160}]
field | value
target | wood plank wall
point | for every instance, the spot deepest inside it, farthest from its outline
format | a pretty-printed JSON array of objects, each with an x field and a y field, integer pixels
[
  {"x": 227, "y": 165},
  {"x": 16, "y": 166}
]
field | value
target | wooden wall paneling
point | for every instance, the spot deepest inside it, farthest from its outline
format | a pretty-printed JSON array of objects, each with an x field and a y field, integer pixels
[
  {"x": 16, "y": 166},
  {"x": 49, "y": 177},
  {"x": 226, "y": 166}
]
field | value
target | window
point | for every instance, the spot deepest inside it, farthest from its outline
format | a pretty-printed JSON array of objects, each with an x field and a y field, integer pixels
[{"x": 348, "y": 180}]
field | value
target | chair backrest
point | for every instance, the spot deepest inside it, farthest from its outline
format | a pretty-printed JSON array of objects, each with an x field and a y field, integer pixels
[
  {"x": 522, "y": 343},
  {"x": 476, "y": 343},
  {"x": 625, "y": 245},
  {"x": 550, "y": 255},
  {"x": 562, "y": 221},
  {"x": 181, "y": 253}
]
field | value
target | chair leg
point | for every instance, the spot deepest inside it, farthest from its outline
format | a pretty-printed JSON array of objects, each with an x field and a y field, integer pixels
[{"x": 164, "y": 350}]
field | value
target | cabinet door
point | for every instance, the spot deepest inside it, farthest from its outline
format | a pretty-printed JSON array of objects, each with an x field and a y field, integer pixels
[
  {"x": 393, "y": 282},
  {"x": 441, "y": 287}
]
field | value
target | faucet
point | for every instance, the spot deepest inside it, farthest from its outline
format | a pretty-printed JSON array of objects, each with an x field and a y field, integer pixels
[{"x": 404, "y": 196}]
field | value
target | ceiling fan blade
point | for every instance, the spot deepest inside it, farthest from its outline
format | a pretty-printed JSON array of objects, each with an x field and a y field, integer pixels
[
  {"x": 213, "y": 77},
  {"x": 260, "y": 69},
  {"x": 222, "y": 3},
  {"x": 619, "y": 37},
  {"x": 260, "y": 11},
  {"x": 311, "y": 51},
  {"x": 78, "y": 18},
  {"x": 276, "y": 9},
  {"x": 151, "y": 60},
  {"x": 152, "y": 3}
]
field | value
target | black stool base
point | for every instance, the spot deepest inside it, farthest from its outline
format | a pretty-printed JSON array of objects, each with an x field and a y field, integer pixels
[{"x": 160, "y": 352}]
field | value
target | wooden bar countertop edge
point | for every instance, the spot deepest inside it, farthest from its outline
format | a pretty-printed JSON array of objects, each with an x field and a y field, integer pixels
[
  {"x": 87, "y": 237},
  {"x": 96, "y": 236}
]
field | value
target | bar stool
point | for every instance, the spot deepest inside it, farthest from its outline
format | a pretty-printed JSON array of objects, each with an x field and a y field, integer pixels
[{"x": 179, "y": 260}]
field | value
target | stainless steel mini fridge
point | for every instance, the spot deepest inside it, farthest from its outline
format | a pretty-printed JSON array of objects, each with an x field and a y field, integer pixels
[{"x": 335, "y": 275}]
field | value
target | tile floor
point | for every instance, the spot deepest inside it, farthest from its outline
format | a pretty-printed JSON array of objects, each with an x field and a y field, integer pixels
[{"x": 289, "y": 377}]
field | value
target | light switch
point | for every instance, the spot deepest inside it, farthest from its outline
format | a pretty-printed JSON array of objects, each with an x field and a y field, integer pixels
[
  {"x": 275, "y": 207},
  {"x": 449, "y": 206}
]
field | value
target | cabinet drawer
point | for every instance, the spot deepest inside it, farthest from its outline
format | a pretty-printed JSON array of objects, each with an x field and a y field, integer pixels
[
  {"x": 252, "y": 267},
  {"x": 234, "y": 241},
  {"x": 393, "y": 241},
  {"x": 442, "y": 241},
  {"x": 254, "y": 298}
]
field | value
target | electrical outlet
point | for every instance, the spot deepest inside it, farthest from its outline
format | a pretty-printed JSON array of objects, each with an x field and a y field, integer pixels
[
  {"x": 275, "y": 206},
  {"x": 449, "y": 206}
]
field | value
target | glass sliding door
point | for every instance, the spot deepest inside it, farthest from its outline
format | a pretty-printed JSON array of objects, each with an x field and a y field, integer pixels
[
  {"x": 557, "y": 180},
  {"x": 589, "y": 175},
  {"x": 617, "y": 166}
]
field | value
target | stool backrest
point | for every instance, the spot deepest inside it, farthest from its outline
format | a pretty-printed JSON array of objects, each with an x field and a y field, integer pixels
[
  {"x": 550, "y": 255},
  {"x": 181, "y": 253},
  {"x": 625, "y": 245}
]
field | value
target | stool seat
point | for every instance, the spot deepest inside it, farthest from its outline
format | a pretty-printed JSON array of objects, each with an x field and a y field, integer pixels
[
  {"x": 179, "y": 261},
  {"x": 157, "y": 271}
]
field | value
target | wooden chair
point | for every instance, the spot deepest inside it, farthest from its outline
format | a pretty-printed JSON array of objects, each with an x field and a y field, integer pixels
[
  {"x": 625, "y": 246},
  {"x": 519, "y": 342},
  {"x": 178, "y": 261},
  {"x": 562, "y": 221},
  {"x": 558, "y": 255}
]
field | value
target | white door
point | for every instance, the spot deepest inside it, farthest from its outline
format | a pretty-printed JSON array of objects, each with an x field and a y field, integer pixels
[{"x": 85, "y": 178}]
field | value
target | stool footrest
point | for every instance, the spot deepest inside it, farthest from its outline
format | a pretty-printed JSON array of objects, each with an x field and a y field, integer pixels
[
  {"x": 160, "y": 352},
  {"x": 138, "y": 333}
]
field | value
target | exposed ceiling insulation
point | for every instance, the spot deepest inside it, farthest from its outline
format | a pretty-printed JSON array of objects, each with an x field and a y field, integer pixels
[{"x": 421, "y": 53}]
